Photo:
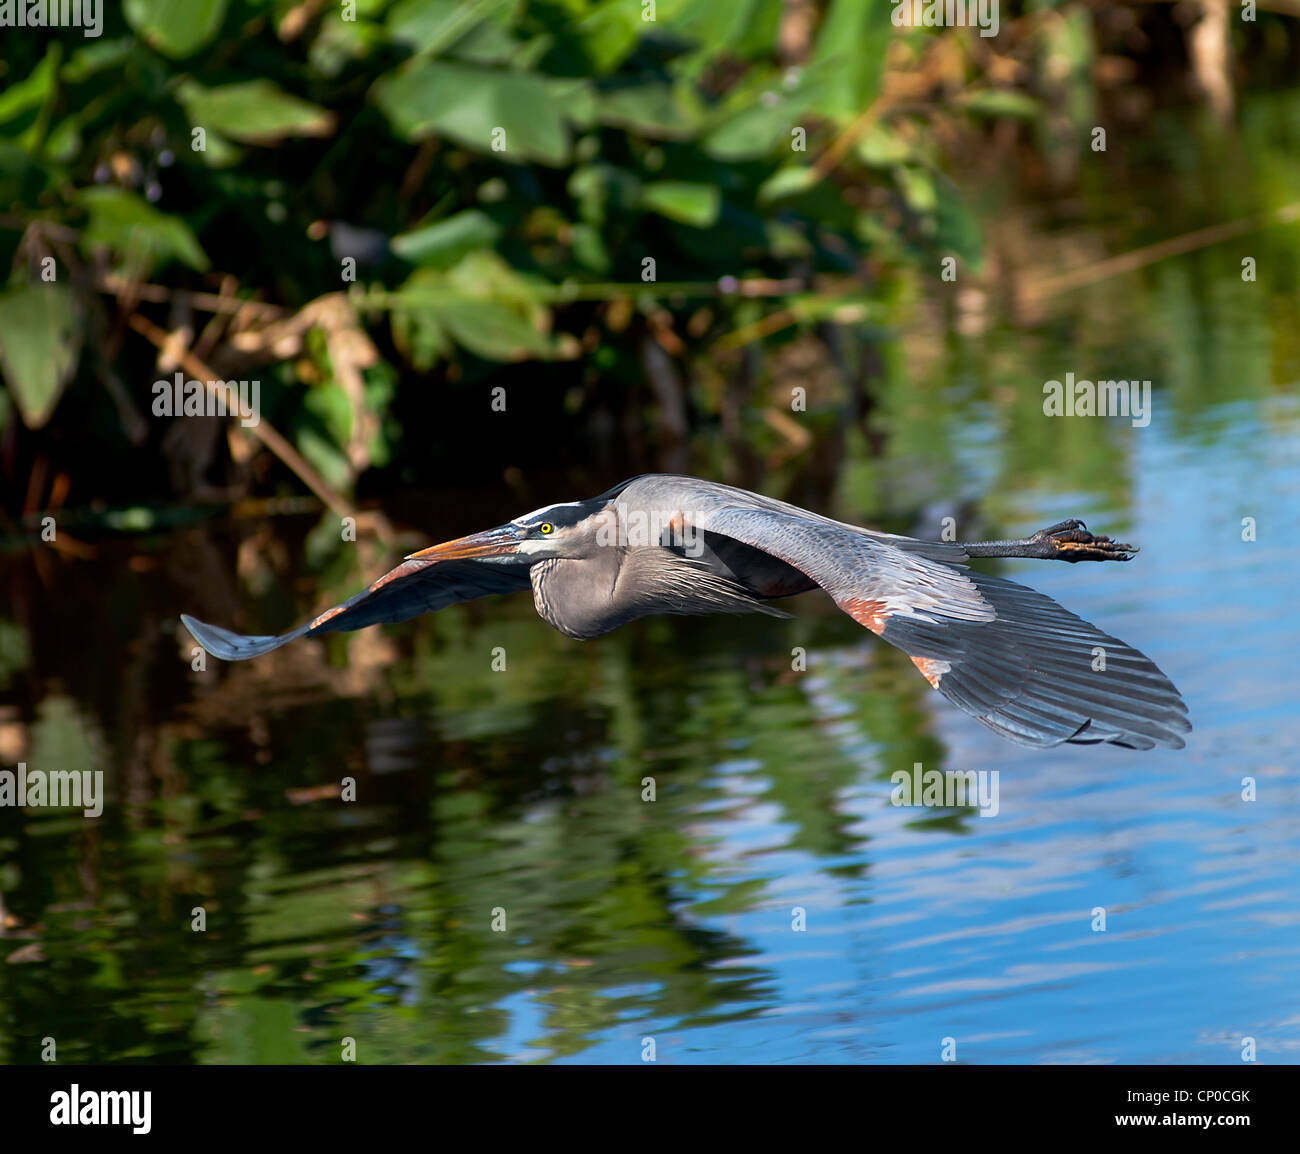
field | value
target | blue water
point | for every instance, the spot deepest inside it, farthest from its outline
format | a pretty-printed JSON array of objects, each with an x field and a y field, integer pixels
[{"x": 501, "y": 892}]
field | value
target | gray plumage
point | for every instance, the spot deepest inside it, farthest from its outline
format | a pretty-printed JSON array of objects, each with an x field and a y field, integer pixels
[
  {"x": 1011, "y": 657},
  {"x": 583, "y": 599}
]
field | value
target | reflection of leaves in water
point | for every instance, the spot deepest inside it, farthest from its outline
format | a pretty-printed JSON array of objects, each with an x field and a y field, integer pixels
[
  {"x": 63, "y": 739},
  {"x": 14, "y": 656},
  {"x": 522, "y": 792}
]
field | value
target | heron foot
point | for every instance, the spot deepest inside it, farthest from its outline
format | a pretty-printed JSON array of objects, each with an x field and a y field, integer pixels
[{"x": 1071, "y": 541}]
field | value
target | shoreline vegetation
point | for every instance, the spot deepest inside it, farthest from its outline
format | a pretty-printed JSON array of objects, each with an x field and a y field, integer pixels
[{"x": 439, "y": 226}]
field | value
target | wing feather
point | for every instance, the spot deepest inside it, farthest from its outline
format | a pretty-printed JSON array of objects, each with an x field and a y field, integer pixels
[
  {"x": 416, "y": 586},
  {"x": 1009, "y": 656}
]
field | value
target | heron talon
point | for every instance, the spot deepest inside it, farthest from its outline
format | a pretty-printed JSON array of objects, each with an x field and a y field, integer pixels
[
  {"x": 1061, "y": 526},
  {"x": 1071, "y": 541}
]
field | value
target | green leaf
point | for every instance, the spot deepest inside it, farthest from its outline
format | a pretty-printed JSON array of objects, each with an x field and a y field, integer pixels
[
  {"x": 124, "y": 222},
  {"x": 419, "y": 337},
  {"x": 482, "y": 304},
  {"x": 788, "y": 181},
  {"x": 882, "y": 147},
  {"x": 325, "y": 457},
  {"x": 513, "y": 116},
  {"x": 785, "y": 242},
  {"x": 98, "y": 56},
  {"x": 257, "y": 111},
  {"x": 35, "y": 89},
  {"x": 443, "y": 243},
  {"x": 589, "y": 249},
  {"x": 23, "y": 178},
  {"x": 735, "y": 24},
  {"x": 957, "y": 228},
  {"x": 431, "y": 27},
  {"x": 753, "y": 131},
  {"x": 609, "y": 33},
  {"x": 1002, "y": 102},
  {"x": 693, "y": 204},
  {"x": 489, "y": 44},
  {"x": 339, "y": 43},
  {"x": 64, "y": 143},
  {"x": 330, "y": 405},
  {"x": 849, "y": 56},
  {"x": 917, "y": 186},
  {"x": 176, "y": 28},
  {"x": 485, "y": 275},
  {"x": 654, "y": 109},
  {"x": 492, "y": 331},
  {"x": 40, "y": 341},
  {"x": 599, "y": 188}
]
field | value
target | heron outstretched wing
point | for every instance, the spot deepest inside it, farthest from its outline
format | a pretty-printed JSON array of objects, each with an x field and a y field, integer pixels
[
  {"x": 416, "y": 586},
  {"x": 1011, "y": 657}
]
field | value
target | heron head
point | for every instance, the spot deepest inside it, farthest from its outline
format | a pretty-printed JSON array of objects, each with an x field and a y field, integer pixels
[{"x": 573, "y": 529}]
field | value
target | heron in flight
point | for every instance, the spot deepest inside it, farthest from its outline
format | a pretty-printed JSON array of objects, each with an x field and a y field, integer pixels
[{"x": 1011, "y": 657}]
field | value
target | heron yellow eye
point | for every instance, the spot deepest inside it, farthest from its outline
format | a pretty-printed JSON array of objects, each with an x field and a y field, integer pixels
[{"x": 545, "y": 527}]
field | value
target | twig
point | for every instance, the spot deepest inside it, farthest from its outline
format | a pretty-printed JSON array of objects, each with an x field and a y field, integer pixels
[
  {"x": 602, "y": 291},
  {"x": 1152, "y": 253},
  {"x": 199, "y": 370},
  {"x": 208, "y": 302},
  {"x": 834, "y": 153}
]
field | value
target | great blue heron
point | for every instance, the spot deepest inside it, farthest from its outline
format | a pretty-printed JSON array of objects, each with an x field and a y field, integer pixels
[{"x": 1010, "y": 657}]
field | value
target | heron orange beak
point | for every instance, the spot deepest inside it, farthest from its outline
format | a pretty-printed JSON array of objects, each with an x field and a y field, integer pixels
[{"x": 489, "y": 543}]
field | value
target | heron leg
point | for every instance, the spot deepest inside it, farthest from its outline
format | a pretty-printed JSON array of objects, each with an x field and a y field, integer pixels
[{"x": 1064, "y": 541}]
